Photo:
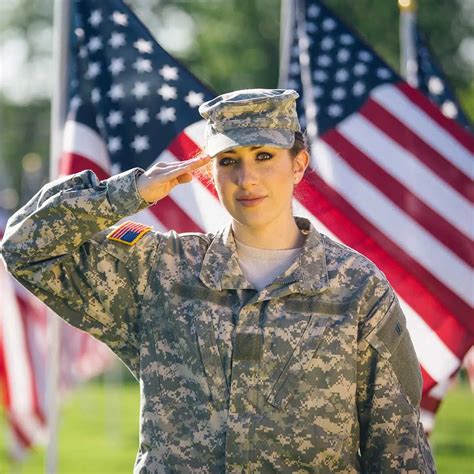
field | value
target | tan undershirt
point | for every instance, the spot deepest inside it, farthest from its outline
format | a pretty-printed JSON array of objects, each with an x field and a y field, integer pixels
[{"x": 261, "y": 266}]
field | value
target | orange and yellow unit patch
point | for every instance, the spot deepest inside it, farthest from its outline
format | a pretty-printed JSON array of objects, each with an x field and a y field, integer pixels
[{"x": 129, "y": 233}]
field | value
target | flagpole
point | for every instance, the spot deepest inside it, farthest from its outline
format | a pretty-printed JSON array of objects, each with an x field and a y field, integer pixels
[
  {"x": 61, "y": 22},
  {"x": 305, "y": 67},
  {"x": 408, "y": 62},
  {"x": 286, "y": 23}
]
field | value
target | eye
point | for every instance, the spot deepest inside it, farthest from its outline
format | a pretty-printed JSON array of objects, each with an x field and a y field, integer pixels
[
  {"x": 226, "y": 161},
  {"x": 264, "y": 155}
]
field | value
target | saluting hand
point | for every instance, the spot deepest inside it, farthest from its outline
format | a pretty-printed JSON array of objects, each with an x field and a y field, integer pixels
[{"x": 160, "y": 179}]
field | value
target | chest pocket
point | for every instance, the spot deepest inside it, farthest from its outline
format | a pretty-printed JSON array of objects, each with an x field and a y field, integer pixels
[{"x": 322, "y": 315}]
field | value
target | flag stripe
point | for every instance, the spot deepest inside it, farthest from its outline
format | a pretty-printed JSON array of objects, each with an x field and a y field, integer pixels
[
  {"x": 407, "y": 279},
  {"x": 398, "y": 104},
  {"x": 173, "y": 217},
  {"x": 74, "y": 163},
  {"x": 410, "y": 240},
  {"x": 409, "y": 171},
  {"x": 411, "y": 142},
  {"x": 459, "y": 133},
  {"x": 401, "y": 196}
]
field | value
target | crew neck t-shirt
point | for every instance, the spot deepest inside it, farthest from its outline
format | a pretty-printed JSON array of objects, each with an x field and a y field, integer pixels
[{"x": 261, "y": 266}]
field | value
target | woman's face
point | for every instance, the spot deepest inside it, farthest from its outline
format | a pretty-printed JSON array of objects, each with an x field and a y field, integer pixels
[{"x": 255, "y": 184}]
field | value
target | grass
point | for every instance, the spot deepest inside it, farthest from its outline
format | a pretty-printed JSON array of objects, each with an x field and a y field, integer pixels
[{"x": 99, "y": 433}]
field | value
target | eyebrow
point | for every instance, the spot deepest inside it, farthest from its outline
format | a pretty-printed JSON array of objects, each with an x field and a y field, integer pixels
[{"x": 252, "y": 148}]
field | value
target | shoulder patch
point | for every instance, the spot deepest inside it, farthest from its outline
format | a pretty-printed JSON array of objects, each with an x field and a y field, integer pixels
[{"x": 129, "y": 233}]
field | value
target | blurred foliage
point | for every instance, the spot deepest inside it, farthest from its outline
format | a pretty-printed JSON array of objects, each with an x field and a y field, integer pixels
[{"x": 233, "y": 44}]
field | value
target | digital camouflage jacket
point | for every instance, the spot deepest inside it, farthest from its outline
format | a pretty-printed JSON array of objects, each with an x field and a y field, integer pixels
[{"x": 315, "y": 373}]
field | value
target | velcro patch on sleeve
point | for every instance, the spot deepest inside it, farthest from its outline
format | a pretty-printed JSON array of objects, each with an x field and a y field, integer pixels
[{"x": 129, "y": 233}]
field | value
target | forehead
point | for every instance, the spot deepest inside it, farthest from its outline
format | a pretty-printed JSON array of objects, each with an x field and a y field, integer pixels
[{"x": 240, "y": 150}]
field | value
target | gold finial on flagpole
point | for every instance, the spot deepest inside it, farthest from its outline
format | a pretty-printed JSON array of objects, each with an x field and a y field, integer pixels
[{"x": 407, "y": 5}]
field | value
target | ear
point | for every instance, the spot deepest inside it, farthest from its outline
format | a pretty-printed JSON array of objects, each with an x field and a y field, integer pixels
[{"x": 300, "y": 163}]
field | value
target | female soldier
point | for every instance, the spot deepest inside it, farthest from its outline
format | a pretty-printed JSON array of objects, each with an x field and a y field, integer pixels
[{"x": 266, "y": 347}]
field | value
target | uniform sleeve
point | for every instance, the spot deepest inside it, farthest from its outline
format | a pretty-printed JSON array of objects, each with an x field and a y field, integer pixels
[
  {"x": 389, "y": 393},
  {"x": 57, "y": 248}
]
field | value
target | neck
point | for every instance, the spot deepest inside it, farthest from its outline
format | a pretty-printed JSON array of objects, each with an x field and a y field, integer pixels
[{"x": 274, "y": 236}]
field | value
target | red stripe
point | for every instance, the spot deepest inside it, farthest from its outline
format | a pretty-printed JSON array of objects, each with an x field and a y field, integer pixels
[
  {"x": 444, "y": 231},
  {"x": 448, "y": 124},
  {"x": 429, "y": 403},
  {"x": 173, "y": 217},
  {"x": 318, "y": 198},
  {"x": 183, "y": 148},
  {"x": 411, "y": 142},
  {"x": 428, "y": 382},
  {"x": 73, "y": 163},
  {"x": 20, "y": 435}
]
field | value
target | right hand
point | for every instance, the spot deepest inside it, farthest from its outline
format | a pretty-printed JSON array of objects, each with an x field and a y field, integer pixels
[{"x": 160, "y": 179}]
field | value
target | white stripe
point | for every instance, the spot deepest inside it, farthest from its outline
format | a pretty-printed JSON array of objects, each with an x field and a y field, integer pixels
[
  {"x": 392, "y": 99},
  {"x": 411, "y": 172},
  {"x": 195, "y": 132},
  {"x": 435, "y": 357},
  {"x": 439, "y": 390},
  {"x": 197, "y": 201},
  {"x": 84, "y": 141},
  {"x": 14, "y": 345},
  {"x": 427, "y": 420},
  {"x": 389, "y": 219}
]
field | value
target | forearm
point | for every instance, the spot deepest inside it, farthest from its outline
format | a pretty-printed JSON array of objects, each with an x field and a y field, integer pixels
[{"x": 66, "y": 213}]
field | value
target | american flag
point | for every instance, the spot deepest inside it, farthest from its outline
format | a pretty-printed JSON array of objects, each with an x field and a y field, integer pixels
[
  {"x": 24, "y": 362},
  {"x": 433, "y": 83},
  {"x": 392, "y": 178}
]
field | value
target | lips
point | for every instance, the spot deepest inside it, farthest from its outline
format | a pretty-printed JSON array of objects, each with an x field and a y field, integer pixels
[{"x": 251, "y": 200}]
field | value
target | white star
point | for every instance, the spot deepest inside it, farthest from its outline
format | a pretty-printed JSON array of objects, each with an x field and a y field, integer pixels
[
  {"x": 338, "y": 93},
  {"x": 311, "y": 27},
  {"x": 324, "y": 60},
  {"x": 167, "y": 92},
  {"x": 115, "y": 168},
  {"x": 194, "y": 99},
  {"x": 360, "y": 69},
  {"x": 79, "y": 32},
  {"x": 114, "y": 118},
  {"x": 342, "y": 75},
  {"x": 329, "y": 24},
  {"x": 95, "y": 18},
  {"x": 116, "y": 66},
  {"x": 116, "y": 92},
  {"x": 294, "y": 68},
  {"x": 166, "y": 114},
  {"x": 75, "y": 103},
  {"x": 140, "y": 143},
  {"x": 93, "y": 70},
  {"x": 116, "y": 40},
  {"x": 95, "y": 95},
  {"x": 120, "y": 18},
  {"x": 83, "y": 52},
  {"x": 318, "y": 92},
  {"x": 114, "y": 144},
  {"x": 383, "y": 73},
  {"x": 435, "y": 85},
  {"x": 449, "y": 109},
  {"x": 313, "y": 11},
  {"x": 319, "y": 75},
  {"x": 292, "y": 84},
  {"x": 140, "y": 117},
  {"x": 143, "y": 46},
  {"x": 365, "y": 56},
  {"x": 140, "y": 89},
  {"x": 142, "y": 65},
  {"x": 327, "y": 43},
  {"x": 343, "y": 55},
  {"x": 95, "y": 43},
  {"x": 358, "y": 88},
  {"x": 334, "y": 110},
  {"x": 169, "y": 73},
  {"x": 346, "y": 39}
]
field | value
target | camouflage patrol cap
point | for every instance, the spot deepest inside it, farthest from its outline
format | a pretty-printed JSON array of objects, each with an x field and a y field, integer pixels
[{"x": 250, "y": 117}]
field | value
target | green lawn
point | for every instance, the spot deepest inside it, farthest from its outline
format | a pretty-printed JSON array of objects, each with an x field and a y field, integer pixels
[{"x": 101, "y": 437}]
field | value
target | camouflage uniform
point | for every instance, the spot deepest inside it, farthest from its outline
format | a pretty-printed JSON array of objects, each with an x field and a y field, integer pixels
[{"x": 315, "y": 373}]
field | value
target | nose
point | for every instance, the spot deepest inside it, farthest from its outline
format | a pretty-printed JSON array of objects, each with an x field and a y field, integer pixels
[{"x": 247, "y": 176}]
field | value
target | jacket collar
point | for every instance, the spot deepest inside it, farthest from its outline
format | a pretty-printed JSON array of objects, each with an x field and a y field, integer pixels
[{"x": 220, "y": 269}]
